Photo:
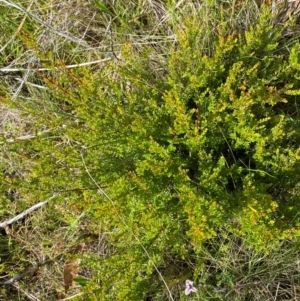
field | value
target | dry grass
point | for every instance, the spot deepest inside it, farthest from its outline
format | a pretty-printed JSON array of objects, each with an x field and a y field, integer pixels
[{"x": 49, "y": 242}]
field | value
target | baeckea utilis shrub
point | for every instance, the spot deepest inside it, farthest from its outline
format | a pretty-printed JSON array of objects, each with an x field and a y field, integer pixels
[{"x": 211, "y": 141}]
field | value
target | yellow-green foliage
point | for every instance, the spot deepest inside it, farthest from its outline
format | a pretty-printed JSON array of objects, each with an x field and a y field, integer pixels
[{"x": 214, "y": 140}]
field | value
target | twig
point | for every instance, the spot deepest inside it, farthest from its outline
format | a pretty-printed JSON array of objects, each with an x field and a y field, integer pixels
[
  {"x": 28, "y": 272},
  {"x": 30, "y": 84},
  {"x": 7, "y": 69},
  {"x": 25, "y": 137},
  {"x": 278, "y": 284},
  {"x": 26, "y": 212},
  {"x": 72, "y": 297},
  {"x": 23, "y": 80}
]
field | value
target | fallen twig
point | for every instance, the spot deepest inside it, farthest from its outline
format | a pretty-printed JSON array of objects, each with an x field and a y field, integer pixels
[
  {"x": 25, "y": 137},
  {"x": 28, "y": 272},
  {"x": 9, "y": 69},
  {"x": 26, "y": 212}
]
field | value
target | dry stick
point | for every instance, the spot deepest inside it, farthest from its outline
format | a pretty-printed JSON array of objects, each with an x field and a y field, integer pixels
[
  {"x": 30, "y": 84},
  {"x": 31, "y": 270},
  {"x": 132, "y": 233},
  {"x": 26, "y": 212},
  {"x": 74, "y": 296},
  {"x": 28, "y": 272},
  {"x": 23, "y": 80},
  {"x": 7, "y": 69},
  {"x": 25, "y": 137},
  {"x": 278, "y": 284}
]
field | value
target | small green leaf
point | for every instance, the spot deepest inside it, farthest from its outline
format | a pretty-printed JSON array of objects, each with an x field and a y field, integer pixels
[
  {"x": 102, "y": 7},
  {"x": 81, "y": 280}
]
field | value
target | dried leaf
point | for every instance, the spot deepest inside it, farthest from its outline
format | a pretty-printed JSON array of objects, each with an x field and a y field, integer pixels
[
  {"x": 71, "y": 268},
  {"x": 79, "y": 248}
]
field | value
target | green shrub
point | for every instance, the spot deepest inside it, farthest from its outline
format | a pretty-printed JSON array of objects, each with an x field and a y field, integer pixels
[{"x": 211, "y": 141}]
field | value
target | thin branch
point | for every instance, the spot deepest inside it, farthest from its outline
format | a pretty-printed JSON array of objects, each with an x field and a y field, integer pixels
[
  {"x": 25, "y": 137},
  {"x": 30, "y": 84},
  {"x": 26, "y": 212},
  {"x": 28, "y": 272},
  {"x": 23, "y": 80},
  {"x": 7, "y": 69},
  {"x": 74, "y": 296}
]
